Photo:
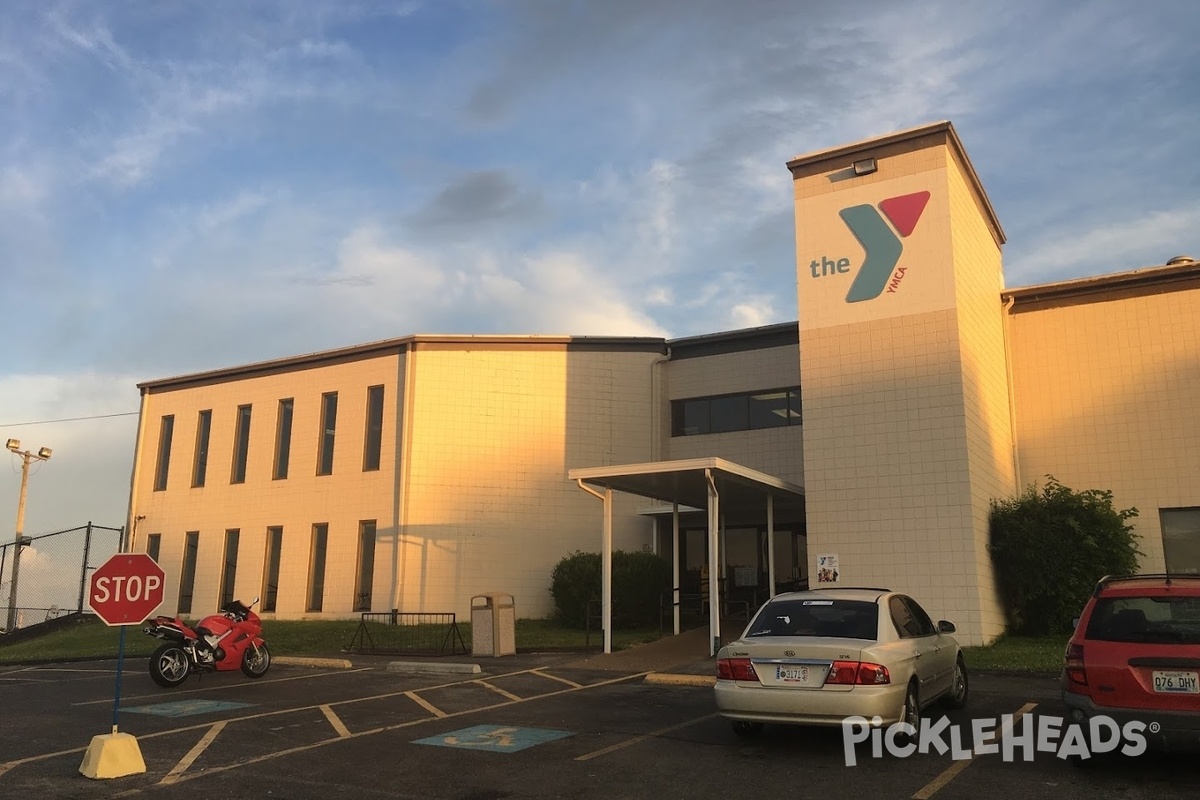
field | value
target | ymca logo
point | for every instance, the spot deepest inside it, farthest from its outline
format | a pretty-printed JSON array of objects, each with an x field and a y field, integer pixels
[{"x": 881, "y": 242}]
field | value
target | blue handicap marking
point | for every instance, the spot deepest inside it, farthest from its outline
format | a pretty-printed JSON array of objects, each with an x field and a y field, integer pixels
[
  {"x": 186, "y": 708},
  {"x": 496, "y": 738}
]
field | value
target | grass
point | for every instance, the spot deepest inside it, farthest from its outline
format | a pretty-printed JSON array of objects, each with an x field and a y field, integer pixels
[
  {"x": 1019, "y": 654},
  {"x": 92, "y": 639}
]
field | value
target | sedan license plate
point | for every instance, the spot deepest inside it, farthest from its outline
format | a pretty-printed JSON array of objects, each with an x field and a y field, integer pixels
[
  {"x": 791, "y": 674},
  {"x": 1177, "y": 682}
]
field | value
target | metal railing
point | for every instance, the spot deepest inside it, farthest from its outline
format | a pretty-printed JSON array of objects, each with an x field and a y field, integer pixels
[{"x": 407, "y": 633}]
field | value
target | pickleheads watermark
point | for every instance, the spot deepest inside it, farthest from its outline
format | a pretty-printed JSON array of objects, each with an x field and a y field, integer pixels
[{"x": 1006, "y": 737}]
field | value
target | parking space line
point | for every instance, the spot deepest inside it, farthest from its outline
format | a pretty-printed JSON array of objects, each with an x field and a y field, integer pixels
[
  {"x": 336, "y": 722},
  {"x": 642, "y": 738},
  {"x": 400, "y": 725},
  {"x": 499, "y": 691},
  {"x": 557, "y": 678},
  {"x": 189, "y": 759},
  {"x": 425, "y": 704},
  {"x": 227, "y": 686},
  {"x": 939, "y": 783}
]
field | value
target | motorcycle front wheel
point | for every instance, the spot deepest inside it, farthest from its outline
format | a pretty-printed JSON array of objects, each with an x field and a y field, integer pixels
[
  {"x": 169, "y": 665},
  {"x": 256, "y": 662}
]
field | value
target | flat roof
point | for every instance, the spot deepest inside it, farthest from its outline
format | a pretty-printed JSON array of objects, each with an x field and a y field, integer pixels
[
  {"x": 743, "y": 491},
  {"x": 1182, "y": 275}
]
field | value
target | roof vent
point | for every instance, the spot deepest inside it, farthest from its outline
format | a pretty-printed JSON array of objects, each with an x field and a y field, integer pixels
[{"x": 1180, "y": 260}]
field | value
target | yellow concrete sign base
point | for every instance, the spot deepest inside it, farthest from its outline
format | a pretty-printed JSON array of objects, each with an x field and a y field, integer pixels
[{"x": 112, "y": 755}]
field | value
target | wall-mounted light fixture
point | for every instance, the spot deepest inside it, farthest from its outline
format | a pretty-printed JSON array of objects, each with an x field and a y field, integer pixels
[{"x": 865, "y": 167}]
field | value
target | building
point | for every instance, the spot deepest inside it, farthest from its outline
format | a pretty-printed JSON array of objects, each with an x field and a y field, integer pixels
[{"x": 861, "y": 445}]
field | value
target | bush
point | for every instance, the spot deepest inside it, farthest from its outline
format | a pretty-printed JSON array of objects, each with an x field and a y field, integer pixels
[
  {"x": 638, "y": 583},
  {"x": 1049, "y": 549}
]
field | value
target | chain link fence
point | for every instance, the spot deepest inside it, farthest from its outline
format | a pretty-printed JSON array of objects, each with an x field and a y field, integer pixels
[{"x": 51, "y": 572}]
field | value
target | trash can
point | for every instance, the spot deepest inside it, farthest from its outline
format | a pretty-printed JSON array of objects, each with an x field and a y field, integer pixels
[{"x": 493, "y": 625}]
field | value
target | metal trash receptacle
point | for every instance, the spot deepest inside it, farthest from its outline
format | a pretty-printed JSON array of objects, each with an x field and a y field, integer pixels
[{"x": 493, "y": 625}]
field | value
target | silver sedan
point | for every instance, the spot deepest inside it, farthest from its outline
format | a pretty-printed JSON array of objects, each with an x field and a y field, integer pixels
[{"x": 818, "y": 657}]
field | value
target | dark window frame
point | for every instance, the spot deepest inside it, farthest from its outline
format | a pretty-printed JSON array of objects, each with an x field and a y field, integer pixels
[
  {"x": 317, "y": 562},
  {"x": 241, "y": 443},
  {"x": 187, "y": 573},
  {"x": 373, "y": 437},
  {"x": 364, "y": 583},
  {"x": 229, "y": 567},
  {"x": 154, "y": 545},
  {"x": 283, "y": 438},
  {"x": 699, "y": 412},
  {"x": 327, "y": 434},
  {"x": 203, "y": 434},
  {"x": 166, "y": 431},
  {"x": 272, "y": 559}
]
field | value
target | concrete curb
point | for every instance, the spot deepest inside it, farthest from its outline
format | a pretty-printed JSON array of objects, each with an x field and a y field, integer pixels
[
  {"x": 675, "y": 679},
  {"x": 321, "y": 663},
  {"x": 433, "y": 668}
]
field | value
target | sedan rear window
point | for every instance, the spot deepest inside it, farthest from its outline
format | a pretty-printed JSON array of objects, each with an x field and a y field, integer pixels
[
  {"x": 1151, "y": 620},
  {"x": 849, "y": 619}
]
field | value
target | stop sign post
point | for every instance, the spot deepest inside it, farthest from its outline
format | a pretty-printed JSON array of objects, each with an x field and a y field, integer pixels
[
  {"x": 126, "y": 589},
  {"x": 122, "y": 591}
]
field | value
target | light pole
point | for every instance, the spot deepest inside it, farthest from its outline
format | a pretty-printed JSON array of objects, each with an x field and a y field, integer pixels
[{"x": 43, "y": 454}]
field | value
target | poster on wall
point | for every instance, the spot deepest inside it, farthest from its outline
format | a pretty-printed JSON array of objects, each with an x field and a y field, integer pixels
[{"x": 827, "y": 569}]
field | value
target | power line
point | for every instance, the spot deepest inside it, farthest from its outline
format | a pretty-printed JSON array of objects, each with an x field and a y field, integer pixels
[{"x": 68, "y": 419}]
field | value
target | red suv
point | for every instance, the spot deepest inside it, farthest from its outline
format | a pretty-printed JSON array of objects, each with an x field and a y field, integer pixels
[{"x": 1135, "y": 656}]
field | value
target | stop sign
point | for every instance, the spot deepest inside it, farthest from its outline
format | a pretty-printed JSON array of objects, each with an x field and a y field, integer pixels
[{"x": 126, "y": 589}]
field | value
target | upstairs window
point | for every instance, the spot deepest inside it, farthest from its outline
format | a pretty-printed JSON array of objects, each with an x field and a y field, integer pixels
[
  {"x": 165, "y": 430},
  {"x": 328, "y": 427},
  {"x": 373, "y": 441},
  {"x": 200, "y": 467},
  {"x": 744, "y": 411},
  {"x": 283, "y": 439},
  {"x": 241, "y": 445}
]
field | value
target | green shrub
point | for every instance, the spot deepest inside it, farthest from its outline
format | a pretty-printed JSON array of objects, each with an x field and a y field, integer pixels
[
  {"x": 1050, "y": 548},
  {"x": 638, "y": 583}
]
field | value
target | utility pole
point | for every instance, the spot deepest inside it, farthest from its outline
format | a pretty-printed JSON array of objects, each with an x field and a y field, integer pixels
[{"x": 27, "y": 456}]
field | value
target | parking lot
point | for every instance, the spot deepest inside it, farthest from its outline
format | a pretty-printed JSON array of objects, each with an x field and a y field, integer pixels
[{"x": 527, "y": 726}]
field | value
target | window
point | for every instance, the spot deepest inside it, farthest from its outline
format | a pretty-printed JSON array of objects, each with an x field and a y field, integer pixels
[
  {"x": 328, "y": 425},
  {"x": 911, "y": 620},
  {"x": 270, "y": 591},
  {"x": 283, "y": 438},
  {"x": 1146, "y": 619},
  {"x": 373, "y": 442},
  {"x": 852, "y": 619},
  {"x": 165, "y": 429},
  {"x": 316, "y": 566},
  {"x": 187, "y": 576},
  {"x": 203, "y": 428},
  {"x": 748, "y": 411},
  {"x": 241, "y": 445},
  {"x": 229, "y": 569},
  {"x": 1181, "y": 540},
  {"x": 924, "y": 623},
  {"x": 366, "y": 565},
  {"x": 153, "y": 545}
]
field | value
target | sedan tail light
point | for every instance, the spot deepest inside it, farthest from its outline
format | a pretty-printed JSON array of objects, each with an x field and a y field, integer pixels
[
  {"x": 857, "y": 673},
  {"x": 736, "y": 669},
  {"x": 1076, "y": 674}
]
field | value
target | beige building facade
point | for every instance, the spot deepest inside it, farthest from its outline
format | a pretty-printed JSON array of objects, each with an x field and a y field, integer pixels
[{"x": 861, "y": 445}]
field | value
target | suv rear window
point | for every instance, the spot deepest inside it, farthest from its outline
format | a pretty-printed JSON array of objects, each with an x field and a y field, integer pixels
[
  {"x": 1151, "y": 620},
  {"x": 850, "y": 619}
]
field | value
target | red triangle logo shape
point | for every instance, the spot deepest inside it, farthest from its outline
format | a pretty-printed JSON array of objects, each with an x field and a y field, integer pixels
[{"x": 904, "y": 211}]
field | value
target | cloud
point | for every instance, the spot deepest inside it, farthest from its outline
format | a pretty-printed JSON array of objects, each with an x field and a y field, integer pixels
[
  {"x": 1106, "y": 247},
  {"x": 478, "y": 197}
]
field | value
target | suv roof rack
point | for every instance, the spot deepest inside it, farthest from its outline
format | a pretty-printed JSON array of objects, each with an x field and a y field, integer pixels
[{"x": 1150, "y": 576}]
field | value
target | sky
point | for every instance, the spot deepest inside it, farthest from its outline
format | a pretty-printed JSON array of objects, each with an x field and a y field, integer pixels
[{"x": 188, "y": 186}]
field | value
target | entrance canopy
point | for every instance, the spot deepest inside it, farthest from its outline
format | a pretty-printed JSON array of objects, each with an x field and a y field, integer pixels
[{"x": 728, "y": 491}]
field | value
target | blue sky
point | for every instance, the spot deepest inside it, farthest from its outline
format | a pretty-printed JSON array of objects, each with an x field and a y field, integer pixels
[{"x": 188, "y": 186}]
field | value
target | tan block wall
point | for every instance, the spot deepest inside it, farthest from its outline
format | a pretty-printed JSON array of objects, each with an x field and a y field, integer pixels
[
  {"x": 978, "y": 281},
  {"x": 778, "y": 451},
  {"x": 904, "y": 409},
  {"x": 489, "y": 506},
  {"x": 304, "y": 498},
  {"x": 1108, "y": 397}
]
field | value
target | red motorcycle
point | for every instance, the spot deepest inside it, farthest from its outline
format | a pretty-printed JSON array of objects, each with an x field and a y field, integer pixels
[{"x": 229, "y": 640}]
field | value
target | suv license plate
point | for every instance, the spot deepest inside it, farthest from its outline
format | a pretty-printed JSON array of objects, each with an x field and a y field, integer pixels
[{"x": 1177, "y": 682}]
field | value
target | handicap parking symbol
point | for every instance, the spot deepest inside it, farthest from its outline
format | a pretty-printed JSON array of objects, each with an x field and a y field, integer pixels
[{"x": 495, "y": 738}]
